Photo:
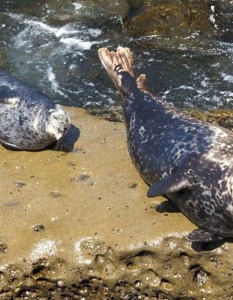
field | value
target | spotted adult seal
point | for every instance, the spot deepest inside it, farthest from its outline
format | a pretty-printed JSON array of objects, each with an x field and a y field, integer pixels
[
  {"x": 189, "y": 161},
  {"x": 29, "y": 119}
]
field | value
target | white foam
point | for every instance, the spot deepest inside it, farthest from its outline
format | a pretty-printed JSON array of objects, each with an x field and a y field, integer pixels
[
  {"x": 80, "y": 44},
  {"x": 212, "y": 16},
  {"x": 185, "y": 87},
  {"x": 35, "y": 27},
  {"x": 66, "y": 30},
  {"x": 15, "y": 16},
  {"x": 40, "y": 25},
  {"x": 226, "y": 77},
  {"x": 77, "y": 5},
  {"x": 110, "y": 101},
  {"x": 81, "y": 258},
  {"x": 44, "y": 247},
  {"x": 54, "y": 84},
  {"x": 227, "y": 94},
  {"x": 94, "y": 32},
  {"x": 153, "y": 243},
  {"x": 192, "y": 36},
  {"x": 205, "y": 82}
]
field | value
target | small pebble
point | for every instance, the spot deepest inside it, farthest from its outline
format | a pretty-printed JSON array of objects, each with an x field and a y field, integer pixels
[{"x": 38, "y": 227}]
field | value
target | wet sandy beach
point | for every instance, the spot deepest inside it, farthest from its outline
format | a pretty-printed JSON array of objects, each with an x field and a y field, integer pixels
[{"x": 78, "y": 225}]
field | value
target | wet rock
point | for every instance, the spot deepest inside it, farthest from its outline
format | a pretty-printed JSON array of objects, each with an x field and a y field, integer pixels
[
  {"x": 20, "y": 184},
  {"x": 120, "y": 7},
  {"x": 225, "y": 6},
  {"x": 83, "y": 177},
  {"x": 3, "y": 247},
  {"x": 199, "y": 275},
  {"x": 136, "y": 5},
  {"x": 224, "y": 17},
  {"x": 55, "y": 194},
  {"x": 113, "y": 114},
  {"x": 14, "y": 4},
  {"x": 171, "y": 19}
]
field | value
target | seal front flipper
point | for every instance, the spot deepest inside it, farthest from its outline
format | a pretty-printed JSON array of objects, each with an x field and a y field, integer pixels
[
  {"x": 170, "y": 184},
  {"x": 8, "y": 145},
  {"x": 202, "y": 236}
]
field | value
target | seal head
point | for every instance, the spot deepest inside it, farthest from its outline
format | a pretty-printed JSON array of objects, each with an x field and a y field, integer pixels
[
  {"x": 189, "y": 161},
  {"x": 30, "y": 120}
]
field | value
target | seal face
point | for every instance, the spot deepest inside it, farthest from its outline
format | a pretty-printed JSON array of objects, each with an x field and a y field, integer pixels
[
  {"x": 30, "y": 120},
  {"x": 189, "y": 161}
]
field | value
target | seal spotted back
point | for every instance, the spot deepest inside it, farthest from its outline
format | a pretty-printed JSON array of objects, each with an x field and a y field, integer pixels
[
  {"x": 189, "y": 161},
  {"x": 30, "y": 120}
]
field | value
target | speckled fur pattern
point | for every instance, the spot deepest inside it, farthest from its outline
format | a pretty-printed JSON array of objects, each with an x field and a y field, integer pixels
[
  {"x": 29, "y": 120},
  {"x": 188, "y": 160}
]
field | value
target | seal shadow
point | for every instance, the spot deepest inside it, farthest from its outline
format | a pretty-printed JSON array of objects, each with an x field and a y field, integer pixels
[
  {"x": 66, "y": 144},
  {"x": 209, "y": 246},
  {"x": 168, "y": 206}
]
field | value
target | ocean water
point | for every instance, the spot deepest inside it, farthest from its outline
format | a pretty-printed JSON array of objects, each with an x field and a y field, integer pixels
[{"x": 61, "y": 59}]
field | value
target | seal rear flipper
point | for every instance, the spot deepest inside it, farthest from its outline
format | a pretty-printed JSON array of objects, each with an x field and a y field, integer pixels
[
  {"x": 203, "y": 236},
  {"x": 140, "y": 81},
  {"x": 120, "y": 68},
  {"x": 170, "y": 184}
]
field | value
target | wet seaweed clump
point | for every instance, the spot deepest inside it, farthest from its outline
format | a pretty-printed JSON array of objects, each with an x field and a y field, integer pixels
[{"x": 221, "y": 117}]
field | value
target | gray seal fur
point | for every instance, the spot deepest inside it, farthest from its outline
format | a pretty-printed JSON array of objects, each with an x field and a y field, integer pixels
[
  {"x": 29, "y": 119},
  {"x": 189, "y": 161}
]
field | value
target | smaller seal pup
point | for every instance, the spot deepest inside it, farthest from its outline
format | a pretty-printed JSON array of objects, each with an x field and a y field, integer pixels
[
  {"x": 189, "y": 161},
  {"x": 29, "y": 119}
]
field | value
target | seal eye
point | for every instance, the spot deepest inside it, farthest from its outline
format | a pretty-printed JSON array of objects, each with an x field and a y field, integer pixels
[{"x": 66, "y": 126}]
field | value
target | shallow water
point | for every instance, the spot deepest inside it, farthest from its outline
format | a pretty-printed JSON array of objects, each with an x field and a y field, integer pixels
[{"x": 60, "y": 57}]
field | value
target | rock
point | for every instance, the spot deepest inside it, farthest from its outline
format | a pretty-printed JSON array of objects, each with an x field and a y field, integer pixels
[
  {"x": 81, "y": 226},
  {"x": 225, "y": 6},
  {"x": 171, "y": 18},
  {"x": 14, "y": 4}
]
